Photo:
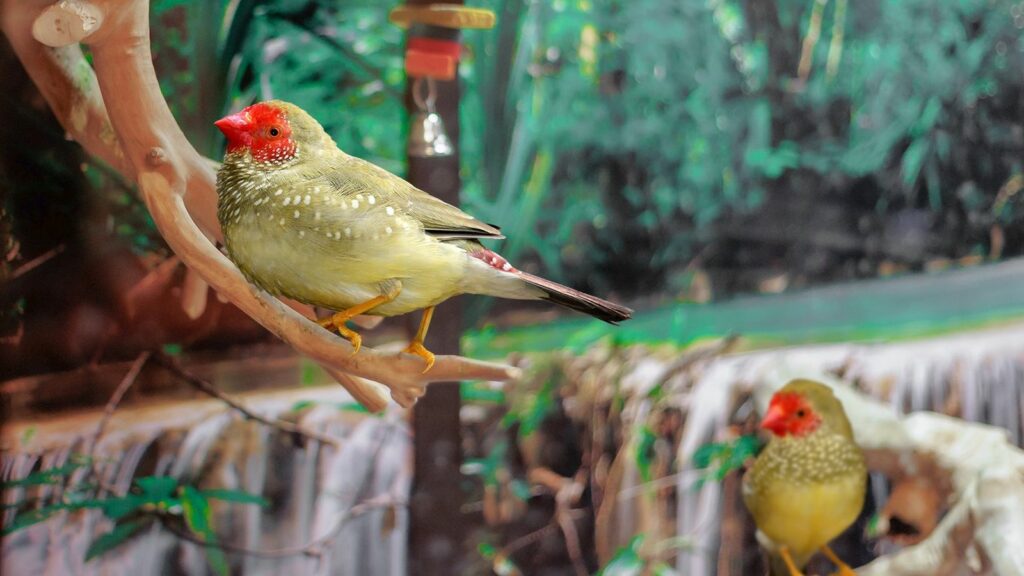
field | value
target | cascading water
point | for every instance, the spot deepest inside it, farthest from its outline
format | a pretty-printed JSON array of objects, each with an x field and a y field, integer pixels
[{"x": 311, "y": 486}]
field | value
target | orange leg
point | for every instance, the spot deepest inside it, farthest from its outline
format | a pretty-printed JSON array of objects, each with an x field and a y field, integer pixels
[
  {"x": 793, "y": 571},
  {"x": 844, "y": 569},
  {"x": 338, "y": 320},
  {"x": 416, "y": 346}
]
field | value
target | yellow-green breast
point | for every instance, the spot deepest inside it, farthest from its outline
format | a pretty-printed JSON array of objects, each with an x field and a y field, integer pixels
[{"x": 805, "y": 491}]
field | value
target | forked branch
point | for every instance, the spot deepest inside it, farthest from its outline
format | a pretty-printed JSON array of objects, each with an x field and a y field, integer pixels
[{"x": 140, "y": 138}]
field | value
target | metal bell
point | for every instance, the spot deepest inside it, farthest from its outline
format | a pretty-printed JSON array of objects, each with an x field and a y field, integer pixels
[{"x": 427, "y": 138}]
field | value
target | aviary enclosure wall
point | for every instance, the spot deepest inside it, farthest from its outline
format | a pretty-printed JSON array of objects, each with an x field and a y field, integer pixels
[{"x": 823, "y": 189}]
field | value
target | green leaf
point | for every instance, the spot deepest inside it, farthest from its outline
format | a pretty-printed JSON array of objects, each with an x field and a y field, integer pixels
[
  {"x": 197, "y": 512},
  {"x": 626, "y": 561},
  {"x": 353, "y": 407},
  {"x": 486, "y": 550},
  {"x": 520, "y": 489},
  {"x": 172, "y": 349},
  {"x": 28, "y": 435},
  {"x": 535, "y": 410},
  {"x": 479, "y": 392},
  {"x": 872, "y": 529},
  {"x": 343, "y": 406},
  {"x": 706, "y": 454},
  {"x": 643, "y": 452},
  {"x": 157, "y": 487},
  {"x": 913, "y": 160},
  {"x": 198, "y": 519},
  {"x": 117, "y": 508},
  {"x": 31, "y": 517},
  {"x": 235, "y": 496},
  {"x": 121, "y": 532},
  {"x": 309, "y": 373},
  {"x": 721, "y": 458}
]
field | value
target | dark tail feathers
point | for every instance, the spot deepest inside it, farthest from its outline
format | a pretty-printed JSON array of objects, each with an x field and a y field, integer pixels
[{"x": 581, "y": 302}]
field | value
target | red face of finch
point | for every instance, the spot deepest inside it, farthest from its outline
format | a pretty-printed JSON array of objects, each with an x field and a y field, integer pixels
[
  {"x": 790, "y": 414},
  {"x": 262, "y": 130}
]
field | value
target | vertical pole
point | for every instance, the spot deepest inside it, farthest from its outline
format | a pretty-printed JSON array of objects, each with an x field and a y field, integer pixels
[{"x": 436, "y": 527}]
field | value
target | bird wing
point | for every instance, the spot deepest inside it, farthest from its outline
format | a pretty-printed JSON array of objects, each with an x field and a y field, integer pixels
[{"x": 438, "y": 218}]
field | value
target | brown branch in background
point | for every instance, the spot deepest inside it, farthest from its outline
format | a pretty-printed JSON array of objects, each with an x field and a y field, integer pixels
[
  {"x": 835, "y": 48},
  {"x": 567, "y": 494},
  {"x": 36, "y": 262},
  {"x": 108, "y": 412},
  {"x": 313, "y": 548},
  {"x": 810, "y": 40},
  {"x": 527, "y": 539},
  {"x": 567, "y": 523},
  {"x": 205, "y": 387}
]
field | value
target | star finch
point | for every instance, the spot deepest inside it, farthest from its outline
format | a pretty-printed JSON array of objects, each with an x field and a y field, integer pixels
[
  {"x": 807, "y": 486},
  {"x": 305, "y": 220}
]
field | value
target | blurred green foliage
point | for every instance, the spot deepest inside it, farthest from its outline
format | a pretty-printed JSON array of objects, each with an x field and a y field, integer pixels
[
  {"x": 718, "y": 459},
  {"x": 150, "y": 499},
  {"x": 621, "y": 134},
  {"x": 626, "y": 146}
]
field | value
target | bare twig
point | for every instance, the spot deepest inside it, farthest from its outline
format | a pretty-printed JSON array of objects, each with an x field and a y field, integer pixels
[
  {"x": 567, "y": 493},
  {"x": 288, "y": 427},
  {"x": 36, "y": 262},
  {"x": 108, "y": 412},
  {"x": 810, "y": 40},
  {"x": 527, "y": 539},
  {"x": 313, "y": 548},
  {"x": 568, "y": 496}
]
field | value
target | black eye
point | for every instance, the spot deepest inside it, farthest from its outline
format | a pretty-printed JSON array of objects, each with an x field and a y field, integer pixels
[
  {"x": 800, "y": 413},
  {"x": 274, "y": 131}
]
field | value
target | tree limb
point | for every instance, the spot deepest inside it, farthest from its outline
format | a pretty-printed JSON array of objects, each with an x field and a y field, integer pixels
[{"x": 141, "y": 138}]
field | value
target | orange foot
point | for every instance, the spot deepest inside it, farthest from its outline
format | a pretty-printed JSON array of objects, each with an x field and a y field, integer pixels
[
  {"x": 338, "y": 320},
  {"x": 418, "y": 349},
  {"x": 843, "y": 570},
  {"x": 344, "y": 331}
]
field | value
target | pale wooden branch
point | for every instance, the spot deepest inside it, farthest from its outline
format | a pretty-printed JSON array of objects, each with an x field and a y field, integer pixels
[
  {"x": 68, "y": 84},
  {"x": 178, "y": 187},
  {"x": 985, "y": 525},
  {"x": 67, "y": 22}
]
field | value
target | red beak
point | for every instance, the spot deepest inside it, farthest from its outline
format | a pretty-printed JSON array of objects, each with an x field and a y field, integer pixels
[
  {"x": 237, "y": 128},
  {"x": 774, "y": 419}
]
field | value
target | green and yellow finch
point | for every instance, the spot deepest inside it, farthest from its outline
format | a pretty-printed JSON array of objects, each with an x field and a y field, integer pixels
[
  {"x": 304, "y": 220},
  {"x": 807, "y": 485}
]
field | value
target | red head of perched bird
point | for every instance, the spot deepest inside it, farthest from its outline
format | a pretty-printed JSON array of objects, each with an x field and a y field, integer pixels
[
  {"x": 305, "y": 220},
  {"x": 807, "y": 486}
]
